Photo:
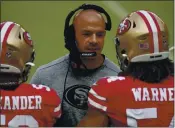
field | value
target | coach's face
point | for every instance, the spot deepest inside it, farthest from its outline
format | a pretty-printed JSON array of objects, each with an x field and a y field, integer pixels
[{"x": 89, "y": 31}]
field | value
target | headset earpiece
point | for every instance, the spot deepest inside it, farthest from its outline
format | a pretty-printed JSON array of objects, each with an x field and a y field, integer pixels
[{"x": 70, "y": 38}]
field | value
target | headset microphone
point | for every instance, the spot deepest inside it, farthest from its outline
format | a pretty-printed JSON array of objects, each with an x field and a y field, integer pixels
[{"x": 88, "y": 54}]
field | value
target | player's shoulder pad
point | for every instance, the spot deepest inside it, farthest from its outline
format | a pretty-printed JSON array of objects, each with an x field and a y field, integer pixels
[
  {"x": 38, "y": 88},
  {"x": 109, "y": 79},
  {"x": 47, "y": 93},
  {"x": 56, "y": 62}
]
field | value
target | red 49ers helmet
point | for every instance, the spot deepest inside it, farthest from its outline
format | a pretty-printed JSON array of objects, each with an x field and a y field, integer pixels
[{"x": 141, "y": 37}]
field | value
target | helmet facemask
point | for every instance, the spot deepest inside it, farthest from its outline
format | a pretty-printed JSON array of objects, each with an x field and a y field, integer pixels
[
  {"x": 27, "y": 68},
  {"x": 121, "y": 55}
]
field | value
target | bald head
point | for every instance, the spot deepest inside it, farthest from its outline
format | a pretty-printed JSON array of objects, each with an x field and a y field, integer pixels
[{"x": 90, "y": 16}]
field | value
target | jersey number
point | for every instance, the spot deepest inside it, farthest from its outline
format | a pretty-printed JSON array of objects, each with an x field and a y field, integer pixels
[
  {"x": 136, "y": 114},
  {"x": 41, "y": 87},
  {"x": 19, "y": 120},
  {"x": 146, "y": 113}
]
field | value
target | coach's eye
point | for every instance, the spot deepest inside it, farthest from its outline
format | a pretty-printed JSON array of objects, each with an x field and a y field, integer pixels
[
  {"x": 86, "y": 34},
  {"x": 100, "y": 34}
]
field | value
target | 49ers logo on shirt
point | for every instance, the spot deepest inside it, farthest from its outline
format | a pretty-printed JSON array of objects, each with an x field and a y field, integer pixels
[
  {"x": 124, "y": 26},
  {"x": 77, "y": 96}
]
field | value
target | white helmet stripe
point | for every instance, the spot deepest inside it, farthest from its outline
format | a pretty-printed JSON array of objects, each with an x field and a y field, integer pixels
[
  {"x": 4, "y": 30},
  {"x": 153, "y": 28}
]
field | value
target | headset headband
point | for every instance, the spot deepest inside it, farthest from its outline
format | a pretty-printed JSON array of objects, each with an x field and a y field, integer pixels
[{"x": 86, "y": 7}]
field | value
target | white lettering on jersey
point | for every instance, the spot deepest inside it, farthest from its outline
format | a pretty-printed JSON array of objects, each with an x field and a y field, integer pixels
[
  {"x": 15, "y": 100},
  {"x": 146, "y": 95},
  {"x": 30, "y": 98},
  {"x": 163, "y": 96},
  {"x": 20, "y": 102},
  {"x": 23, "y": 100},
  {"x": 137, "y": 93},
  {"x": 7, "y": 103},
  {"x": 171, "y": 94},
  {"x": 38, "y": 102},
  {"x": 153, "y": 94}
]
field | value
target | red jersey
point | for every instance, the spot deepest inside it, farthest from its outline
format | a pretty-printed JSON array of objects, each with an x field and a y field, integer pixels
[
  {"x": 131, "y": 102},
  {"x": 29, "y": 105}
]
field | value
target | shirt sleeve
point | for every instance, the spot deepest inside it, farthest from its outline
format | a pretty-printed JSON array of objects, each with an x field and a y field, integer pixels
[
  {"x": 57, "y": 107},
  {"x": 35, "y": 78},
  {"x": 55, "y": 104},
  {"x": 52, "y": 107}
]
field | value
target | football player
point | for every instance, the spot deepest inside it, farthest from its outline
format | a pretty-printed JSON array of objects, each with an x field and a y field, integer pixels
[
  {"x": 143, "y": 94},
  {"x": 22, "y": 104}
]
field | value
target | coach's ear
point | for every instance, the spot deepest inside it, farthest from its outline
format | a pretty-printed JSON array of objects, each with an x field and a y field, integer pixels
[{"x": 94, "y": 118}]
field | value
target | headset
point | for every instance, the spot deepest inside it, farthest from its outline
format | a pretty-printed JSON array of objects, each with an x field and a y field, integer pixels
[{"x": 69, "y": 32}]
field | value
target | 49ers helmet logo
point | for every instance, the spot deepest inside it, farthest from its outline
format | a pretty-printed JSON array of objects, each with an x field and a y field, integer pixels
[
  {"x": 28, "y": 38},
  {"x": 124, "y": 26}
]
